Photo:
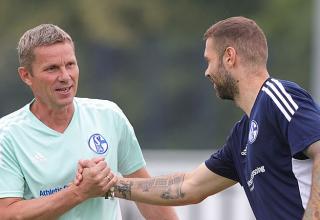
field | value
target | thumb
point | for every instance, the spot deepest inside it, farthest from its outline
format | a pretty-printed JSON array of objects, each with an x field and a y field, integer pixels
[
  {"x": 86, "y": 163},
  {"x": 96, "y": 160}
]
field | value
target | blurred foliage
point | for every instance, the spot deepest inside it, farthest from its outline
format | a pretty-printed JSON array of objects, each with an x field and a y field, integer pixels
[{"x": 146, "y": 55}]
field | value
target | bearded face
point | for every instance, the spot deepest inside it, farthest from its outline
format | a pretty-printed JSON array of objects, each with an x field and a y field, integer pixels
[{"x": 225, "y": 85}]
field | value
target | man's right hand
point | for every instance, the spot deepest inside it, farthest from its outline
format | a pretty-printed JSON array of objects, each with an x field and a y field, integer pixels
[
  {"x": 94, "y": 178},
  {"x": 94, "y": 183}
]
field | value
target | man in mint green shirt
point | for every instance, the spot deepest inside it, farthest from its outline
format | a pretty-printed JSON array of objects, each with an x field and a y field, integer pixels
[{"x": 41, "y": 143}]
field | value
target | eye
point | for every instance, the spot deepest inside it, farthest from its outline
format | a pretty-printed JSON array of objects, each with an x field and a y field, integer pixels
[
  {"x": 70, "y": 64},
  {"x": 51, "y": 68},
  {"x": 207, "y": 60}
]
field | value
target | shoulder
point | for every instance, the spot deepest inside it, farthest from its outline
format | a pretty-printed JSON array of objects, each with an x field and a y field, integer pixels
[
  {"x": 14, "y": 120},
  {"x": 284, "y": 91},
  {"x": 283, "y": 96},
  {"x": 241, "y": 124},
  {"x": 98, "y": 106},
  {"x": 239, "y": 129}
]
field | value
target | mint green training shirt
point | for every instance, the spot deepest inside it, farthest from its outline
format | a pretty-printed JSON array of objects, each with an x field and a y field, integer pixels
[{"x": 36, "y": 161}]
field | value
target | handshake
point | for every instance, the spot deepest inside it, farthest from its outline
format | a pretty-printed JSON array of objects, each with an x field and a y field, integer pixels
[{"x": 94, "y": 179}]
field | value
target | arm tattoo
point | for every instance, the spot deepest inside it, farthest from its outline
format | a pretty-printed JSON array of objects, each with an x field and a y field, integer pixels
[
  {"x": 169, "y": 187},
  {"x": 124, "y": 189},
  {"x": 173, "y": 189},
  {"x": 145, "y": 186},
  {"x": 166, "y": 187}
]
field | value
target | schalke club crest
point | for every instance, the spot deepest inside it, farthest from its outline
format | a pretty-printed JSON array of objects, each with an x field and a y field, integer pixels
[
  {"x": 253, "y": 133},
  {"x": 98, "y": 144}
]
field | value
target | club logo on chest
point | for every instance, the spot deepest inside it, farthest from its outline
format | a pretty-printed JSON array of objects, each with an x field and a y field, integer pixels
[
  {"x": 98, "y": 144},
  {"x": 253, "y": 132}
]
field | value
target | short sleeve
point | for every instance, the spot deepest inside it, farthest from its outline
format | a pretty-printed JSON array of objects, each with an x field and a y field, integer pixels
[
  {"x": 296, "y": 115},
  {"x": 11, "y": 177},
  {"x": 130, "y": 158},
  {"x": 222, "y": 162},
  {"x": 304, "y": 128}
]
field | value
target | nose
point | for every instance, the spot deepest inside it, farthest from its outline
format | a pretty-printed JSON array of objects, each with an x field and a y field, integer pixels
[
  {"x": 64, "y": 75},
  {"x": 206, "y": 73}
]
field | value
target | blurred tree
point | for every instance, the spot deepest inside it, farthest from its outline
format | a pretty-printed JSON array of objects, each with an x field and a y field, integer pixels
[{"x": 147, "y": 57}]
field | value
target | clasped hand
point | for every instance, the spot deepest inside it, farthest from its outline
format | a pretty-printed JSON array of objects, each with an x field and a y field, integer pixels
[{"x": 94, "y": 178}]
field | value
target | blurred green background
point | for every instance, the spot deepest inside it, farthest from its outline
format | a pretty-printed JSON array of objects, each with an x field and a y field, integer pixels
[{"x": 147, "y": 56}]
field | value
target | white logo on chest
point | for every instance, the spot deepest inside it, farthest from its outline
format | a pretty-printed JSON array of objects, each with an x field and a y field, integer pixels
[
  {"x": 253, "y": 132},
  {"x": 244, "y": 152},
  {"x": 254, "y": 172},
  {"x": 39, "y": 157}
]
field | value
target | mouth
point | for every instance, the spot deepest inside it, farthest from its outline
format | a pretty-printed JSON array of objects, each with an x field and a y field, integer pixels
[
  {"x": 64, "y": 90},
  {"x": 212, "y": 82}
]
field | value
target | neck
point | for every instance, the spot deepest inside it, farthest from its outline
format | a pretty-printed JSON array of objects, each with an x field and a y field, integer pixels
[
  {"x": 249, "y": 87},
  {"x": 57, "y": 119}
]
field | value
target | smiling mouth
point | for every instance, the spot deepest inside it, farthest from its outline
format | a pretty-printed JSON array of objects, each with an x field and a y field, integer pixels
[
  {"x": 212, "y": 81},
  {"x": 64, "y": 90}
]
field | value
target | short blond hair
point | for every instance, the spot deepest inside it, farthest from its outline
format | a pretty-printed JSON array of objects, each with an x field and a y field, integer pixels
[
  {"x": 42, "y": 35},
  {"x": 244, "y": 35}
]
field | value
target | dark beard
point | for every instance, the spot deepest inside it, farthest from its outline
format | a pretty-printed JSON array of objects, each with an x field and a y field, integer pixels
[{"x": 226, "y": 86}]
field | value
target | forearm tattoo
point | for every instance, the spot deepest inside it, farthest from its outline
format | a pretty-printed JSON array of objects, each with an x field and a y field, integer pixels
[
  {"x": 124, "y": 189},
  {"x": 167, "y": 187},
  {"x": 173, "y": 187}
]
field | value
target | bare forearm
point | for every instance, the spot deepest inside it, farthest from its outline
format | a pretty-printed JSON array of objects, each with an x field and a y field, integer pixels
[
  {"x": 313, "y": 209},
  {"x": 152, "y": 212},
  {"x": 164, "y": 190},
  {"x": 46, "y": 208}
]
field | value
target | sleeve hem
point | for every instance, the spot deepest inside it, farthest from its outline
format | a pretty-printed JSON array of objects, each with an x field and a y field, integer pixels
[
  {"x": 11, "y": 194},
  {"x": 216, "y": 171},
  {"x": 134, "y": 168},
  {"x": 305, "y": 144}
]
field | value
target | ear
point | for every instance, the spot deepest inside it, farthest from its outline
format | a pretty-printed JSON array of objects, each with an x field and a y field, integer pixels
[
  {"x": 229, "y": 57},
  {"x": 25, "y": 75}
]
